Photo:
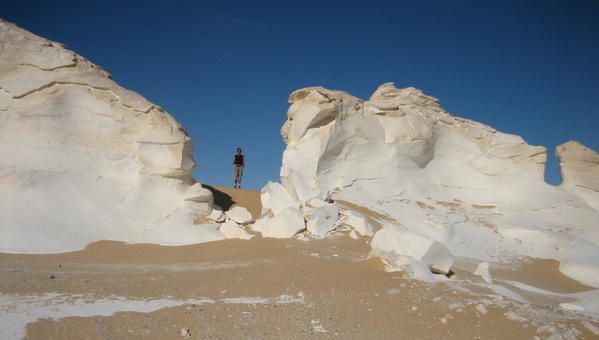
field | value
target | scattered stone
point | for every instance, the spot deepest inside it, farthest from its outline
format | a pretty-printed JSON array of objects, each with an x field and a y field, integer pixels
[
  {"x": 482, "y": 270},
  {"x": 571, "y": 307},
  {"x": 185, "y": 332},
  {"x": 317, "y": 327},
  {"x": 481, "y": 309}
]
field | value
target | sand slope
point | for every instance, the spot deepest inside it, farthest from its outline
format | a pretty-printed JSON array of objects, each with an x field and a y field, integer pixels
[{"x": 226, "y": 198}]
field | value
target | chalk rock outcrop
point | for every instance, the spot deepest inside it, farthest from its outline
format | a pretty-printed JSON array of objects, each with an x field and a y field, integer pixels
[
  {"x": 454, "y": 182},
  {"x": 83, "y": 159},
  {"x": 580, "y": 171}
]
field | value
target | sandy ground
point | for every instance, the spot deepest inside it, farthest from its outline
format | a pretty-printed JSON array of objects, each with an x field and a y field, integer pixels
[{"x": 276, "y": 289}]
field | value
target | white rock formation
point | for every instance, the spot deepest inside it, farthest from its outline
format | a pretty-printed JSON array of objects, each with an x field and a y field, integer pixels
[
  {"x": 357, "y": 222},
  {"x": 321, "y": 217},
  {"x": 83, "y": 159},
  {"x": 482, "y": 270},
  {"x": 452, "y": 181},
  {"x": 580, "y": 171},
  {"x": 286, "y": 224},
  {"x": 217, "y": 214},
  {"x": 233, "y": 230},
  {"x": 275, "y": 198},
  {"x": 281, "y": 214},
  {"x": 396, "y": 242},
  {"x": 239, "y": 215}
]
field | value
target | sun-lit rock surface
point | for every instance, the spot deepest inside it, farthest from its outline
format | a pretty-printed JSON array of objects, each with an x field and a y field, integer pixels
[
  {"x": 83, "y": 159},
  {"x": 233, "y": 230},
  {"x": 357, "y": 222},
  {"x": 395, "y": 246},
  {"x": 580, "y": 171},
  {"x": 453, "y": 182},
  {"x": 239, "y": 215},
  {"x": 286, "y": 224},
  {"x": 217, "y": 214},
  {"x": 321, "y": 217}
]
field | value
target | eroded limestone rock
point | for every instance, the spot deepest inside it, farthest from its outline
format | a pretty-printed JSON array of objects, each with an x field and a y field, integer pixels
[
  {"x": 580, "y": 171},
  {"x": 461, "y": 185},
  {"x": 83, "y": 159}
]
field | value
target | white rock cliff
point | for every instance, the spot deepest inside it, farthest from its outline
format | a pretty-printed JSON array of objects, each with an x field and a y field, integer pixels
[
  {"x": 82, "y": 159},
  {"x": 457, "y": 187}
]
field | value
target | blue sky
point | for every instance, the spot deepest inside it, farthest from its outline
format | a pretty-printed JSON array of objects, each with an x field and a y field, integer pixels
[{"x": 224, "y": 69}]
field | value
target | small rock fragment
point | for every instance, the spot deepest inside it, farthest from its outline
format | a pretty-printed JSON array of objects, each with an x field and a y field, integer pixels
[{"x": 185, "y": 332}]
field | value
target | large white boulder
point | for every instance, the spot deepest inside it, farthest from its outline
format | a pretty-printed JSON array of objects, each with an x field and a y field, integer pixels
[
  {"x": 284, "y": 225},
  {"x": 239, "y": 215},
  {"x": 393, "y": 240},
  {"x": 230, "y": 229},
  {"x": 274, "y": 197},
  {"x": 83, "y": 159},
  {"x": 321, "y": 217}
]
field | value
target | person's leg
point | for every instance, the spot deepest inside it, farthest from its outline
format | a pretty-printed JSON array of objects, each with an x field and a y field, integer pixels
[
  {"x": 237, "y": 176},
  {"x": 234, "y": 176},
  {"x": 240, "y": 176}
]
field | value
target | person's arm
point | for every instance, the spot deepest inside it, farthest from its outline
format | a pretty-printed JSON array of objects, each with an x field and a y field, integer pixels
[{"x": 243, "y": 161}]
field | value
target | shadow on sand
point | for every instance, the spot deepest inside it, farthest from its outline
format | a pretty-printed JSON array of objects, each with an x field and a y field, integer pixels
[{"x": 221, "y": 199}]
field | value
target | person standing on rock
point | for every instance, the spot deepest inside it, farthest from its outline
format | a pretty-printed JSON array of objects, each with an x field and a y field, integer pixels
[{"x": 238, "y": 165}]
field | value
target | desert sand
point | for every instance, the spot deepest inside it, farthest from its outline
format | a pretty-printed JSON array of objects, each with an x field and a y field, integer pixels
[{"x": 269, "y": 288}]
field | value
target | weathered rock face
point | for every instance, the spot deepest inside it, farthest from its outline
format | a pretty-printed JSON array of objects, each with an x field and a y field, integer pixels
[
  {"x": 82, "y": 159},
  {"x": 392, "y": 137},
  {"x": 458, "y": 183},
  {"x": 580, "y": 171}
]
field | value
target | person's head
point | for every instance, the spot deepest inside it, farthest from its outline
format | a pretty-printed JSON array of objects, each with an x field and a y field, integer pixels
[{"x": 239, "y": 151}]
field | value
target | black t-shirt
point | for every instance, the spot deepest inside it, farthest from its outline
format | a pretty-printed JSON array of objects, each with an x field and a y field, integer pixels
[{"x": 238, "y": 160}]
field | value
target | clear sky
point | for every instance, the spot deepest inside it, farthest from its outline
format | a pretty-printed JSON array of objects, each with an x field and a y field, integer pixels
[{"x": 224, "y": 69}]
